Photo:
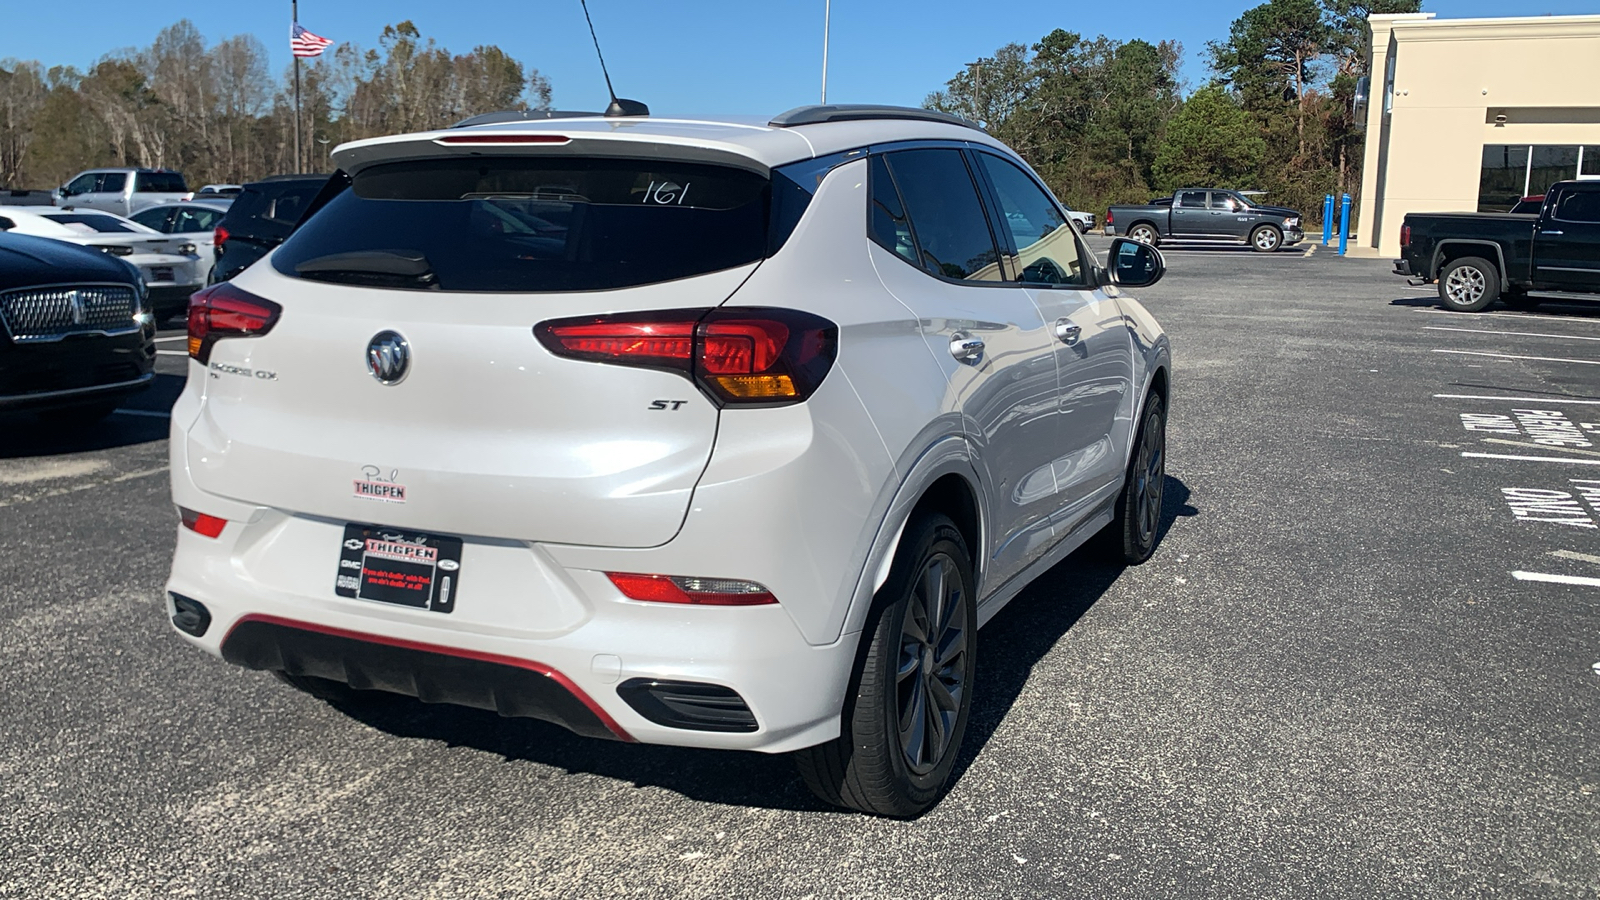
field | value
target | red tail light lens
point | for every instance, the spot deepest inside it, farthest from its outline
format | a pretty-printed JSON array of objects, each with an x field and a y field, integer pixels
[
  {"x": 1109, "y": 220},
  {"x": 200, "y": 523},
  {"x": 1405, "y": 235},
  {"x": 737, "y": 355},
  {"x": 219, "y": 237},
  {"x": 224, "y": 311},
  {"x": 696, "y": 591}
]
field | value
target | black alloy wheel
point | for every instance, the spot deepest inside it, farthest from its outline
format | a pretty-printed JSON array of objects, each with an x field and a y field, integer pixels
[
  {"x": 911, "y": 694},
  {"x": 1131, "y": 537}
]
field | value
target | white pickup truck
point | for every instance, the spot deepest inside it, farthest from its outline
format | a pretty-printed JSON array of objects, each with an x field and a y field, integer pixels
[{"x": 122, "y": 191}]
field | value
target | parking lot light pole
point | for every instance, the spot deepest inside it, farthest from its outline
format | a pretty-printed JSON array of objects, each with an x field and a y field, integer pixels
[
  {"x": 827, "y": 13},
  {"x": 1327, "y": 219},
  {"x": 1344, "y": 223}
]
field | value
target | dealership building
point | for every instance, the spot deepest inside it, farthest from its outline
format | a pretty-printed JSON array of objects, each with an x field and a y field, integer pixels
[{"x": 1474, "y": 114}]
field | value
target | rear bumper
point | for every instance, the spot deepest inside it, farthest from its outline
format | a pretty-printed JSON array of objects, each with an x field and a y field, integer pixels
[{"x": 1402, "y": 267}]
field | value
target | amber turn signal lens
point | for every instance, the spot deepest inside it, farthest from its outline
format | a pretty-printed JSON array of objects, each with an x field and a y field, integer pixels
[{"x": 757, "y": 387}]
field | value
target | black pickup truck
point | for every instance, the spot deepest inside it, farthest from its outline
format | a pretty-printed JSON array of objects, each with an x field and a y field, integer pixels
[
  {"x": 1207, "y": 215},
  {"x": 1476, "y": 258}
]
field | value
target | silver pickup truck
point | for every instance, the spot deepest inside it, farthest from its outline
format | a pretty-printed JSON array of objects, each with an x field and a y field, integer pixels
[
  {"x": 122, "y": 191},
  {"x": 1207, "y": 215}
]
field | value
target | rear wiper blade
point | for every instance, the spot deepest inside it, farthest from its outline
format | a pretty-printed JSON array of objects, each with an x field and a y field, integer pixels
[{"x": 363, "y": 265}]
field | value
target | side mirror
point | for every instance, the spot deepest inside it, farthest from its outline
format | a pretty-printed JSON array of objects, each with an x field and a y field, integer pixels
[
  {"x": 1135, "y": 264},
  {"x": 63, "y": 193}
]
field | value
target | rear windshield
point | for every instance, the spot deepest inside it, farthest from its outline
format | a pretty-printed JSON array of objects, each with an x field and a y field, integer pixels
[
  {"x": 532, "y": 225},
  {"x": 160, "y": 182},
  {"x": 87, "y": 223},
  {"x": 270, "y": 211}
]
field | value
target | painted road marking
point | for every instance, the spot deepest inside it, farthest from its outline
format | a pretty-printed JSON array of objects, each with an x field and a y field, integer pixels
[
  {"x": 1557, "y": 507},
  {"x": 185, "y": 337},
  {"x": 143, "y": 412},
  {"x": 19, "y": 499},
  {"x": 1546, "y": 427},
  {"x": 1536, "y": 446},
  {"x": 1573, "y": 554},
  {"x": 1580, "y": 362},
  {"x": 1560, "y": 459},
  {"x": 1556, "y": 579},
  {"x": 172, "y": 352},
  {"x": 1561, "y": 337},
  {"x": 1515, "y": 399},
  {"x": 1451, "y": 312}
]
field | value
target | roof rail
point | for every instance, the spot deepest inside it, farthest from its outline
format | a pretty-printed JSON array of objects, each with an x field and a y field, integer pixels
[
  {"x": 522, "y": 115},
  {"x": 851, "y": 112}
]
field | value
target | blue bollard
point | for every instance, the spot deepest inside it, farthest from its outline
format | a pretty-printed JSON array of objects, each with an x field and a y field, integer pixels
[
  {"x": 1344, "y": 223},
  {"x": 1327, "y": 219}
]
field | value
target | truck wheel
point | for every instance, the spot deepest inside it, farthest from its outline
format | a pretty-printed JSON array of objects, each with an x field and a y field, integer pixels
[
  {"x": 1081, "y": 226},
  {"x": 907, "y": 707},
  {"x": 1266, "y": 239},
  {"x": 1145, "y": 234},
  {"x": 1468, "y": 284}
]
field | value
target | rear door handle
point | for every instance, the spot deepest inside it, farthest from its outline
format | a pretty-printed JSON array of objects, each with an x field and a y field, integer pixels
[
  {"x": 1543, "y": 233},
  {"x": 1067, "y": 333},
  {"x": 965, "y": 347}
]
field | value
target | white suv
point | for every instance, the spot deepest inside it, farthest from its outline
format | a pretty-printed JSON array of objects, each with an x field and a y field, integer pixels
[{"x": 711, "y": 433}]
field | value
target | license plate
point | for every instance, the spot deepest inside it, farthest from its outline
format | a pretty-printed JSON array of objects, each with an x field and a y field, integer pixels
[
  {"x": 404, "y": 567},
  {"x": 161, "y": 273}
]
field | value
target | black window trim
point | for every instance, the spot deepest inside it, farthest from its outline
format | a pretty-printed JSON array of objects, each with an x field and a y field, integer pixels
[{"x": 1090, "y": 282}]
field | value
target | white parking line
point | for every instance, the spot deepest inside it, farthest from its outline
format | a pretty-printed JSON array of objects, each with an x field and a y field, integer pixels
[
  {"x": 172, "y": 353},
  {"x": 1555, "y": 400},
  {"x": 1580, "y": 362},
  {"x": 1451, "y": 312},
  {"x": 1559, "y": 337},
  {"x": 185, "y": 337},
  {"x": 1561, "y": 459},
  {"x": 1573, "y": 554},
  {"x": 1555, "y": 579},
  {"x": 143, "y": 412},
  {"x": 1539, "y": 446}
]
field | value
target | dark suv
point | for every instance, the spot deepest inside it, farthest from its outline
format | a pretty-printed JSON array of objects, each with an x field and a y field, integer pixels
[
  {"x": 262, "y": 215},
  {"x": 76, "y": 335}
]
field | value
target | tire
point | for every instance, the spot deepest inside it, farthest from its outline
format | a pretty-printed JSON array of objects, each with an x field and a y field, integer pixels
[
  {"x": 1081, "y": 226},
  {"x": 1266, "y": 239},
  {"x": 1468, "y": 284},
  {"x": 81, "y": 416},
  {"x": 1145, "y": 234},
  {"x": 874, "y": 766},
  {"x": 1131, "y": 537}
]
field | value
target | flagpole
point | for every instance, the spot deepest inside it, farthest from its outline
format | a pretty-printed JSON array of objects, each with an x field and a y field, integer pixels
[{"x": 294, "y": 7}]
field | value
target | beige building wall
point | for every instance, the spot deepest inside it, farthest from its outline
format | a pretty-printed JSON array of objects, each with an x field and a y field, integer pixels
[{"x": 1451, "y": 77}]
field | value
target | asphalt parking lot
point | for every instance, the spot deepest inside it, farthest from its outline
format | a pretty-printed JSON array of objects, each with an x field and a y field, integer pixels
[{"x": 1364, "y": 662}]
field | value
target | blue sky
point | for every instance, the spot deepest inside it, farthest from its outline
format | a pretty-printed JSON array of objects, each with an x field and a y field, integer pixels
[{"x": 691, "y": 56}]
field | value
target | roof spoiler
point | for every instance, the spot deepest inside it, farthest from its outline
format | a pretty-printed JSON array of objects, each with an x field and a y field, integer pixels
[{"x": 523, "y": 115}]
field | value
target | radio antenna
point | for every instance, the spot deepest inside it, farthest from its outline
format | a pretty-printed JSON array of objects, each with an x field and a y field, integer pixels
[{"x": 618, "y": 107}]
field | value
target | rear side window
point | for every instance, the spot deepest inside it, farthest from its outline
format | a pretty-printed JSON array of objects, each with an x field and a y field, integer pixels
[
  {"x": 113, "y": 182},
  {"x": 1192, "y": 200},
  {"x": 528, "y": 225},
  {"x": 159, "y": 182},
  {"x": 1578, "y": 206},
  {"x": 946, "y": 214},
  {"x": 195, "y": 218},
  {"x": 155, "y": 217},
  {"x": 89, "y": 223},
  {"x": 890, "y": 227},
  {"x": 271, "y": 211}
]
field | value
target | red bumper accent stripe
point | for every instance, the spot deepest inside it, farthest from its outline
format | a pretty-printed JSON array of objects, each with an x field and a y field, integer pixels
[{"x": 554, "y": 675}]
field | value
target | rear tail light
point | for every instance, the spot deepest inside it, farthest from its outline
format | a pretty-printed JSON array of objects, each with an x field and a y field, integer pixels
[
  {"x": 737, "y": 355},
  {"x": 1109, "y": 220},
  {"x": 1405, "y": 235},
  {"x": 200, "y": 523},
  {"x": 695, "y": 591},
  {"x": 224, "y": 311},
  {"x": 219, "y": 237}
]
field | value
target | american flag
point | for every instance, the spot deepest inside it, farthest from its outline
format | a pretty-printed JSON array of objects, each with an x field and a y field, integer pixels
[{"x": 304, "y": 43}]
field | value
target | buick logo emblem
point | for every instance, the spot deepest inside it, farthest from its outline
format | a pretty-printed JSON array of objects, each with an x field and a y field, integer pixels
[{"x": 388, "y": 357}]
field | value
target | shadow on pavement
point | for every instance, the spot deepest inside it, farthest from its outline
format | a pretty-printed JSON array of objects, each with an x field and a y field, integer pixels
[
  {"x": 23, "y": 434},
  {"x": 1575, "y": 310},
  {"x": 1020, "y": 636}
]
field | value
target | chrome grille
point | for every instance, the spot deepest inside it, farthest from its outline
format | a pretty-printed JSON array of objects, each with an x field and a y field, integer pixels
[{"x": 52, "y": 313}]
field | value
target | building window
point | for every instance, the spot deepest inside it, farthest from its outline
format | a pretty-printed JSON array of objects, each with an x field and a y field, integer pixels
[
  {"x": 1513, "y": 171},
  {"x": 1504, "y": 175}
]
